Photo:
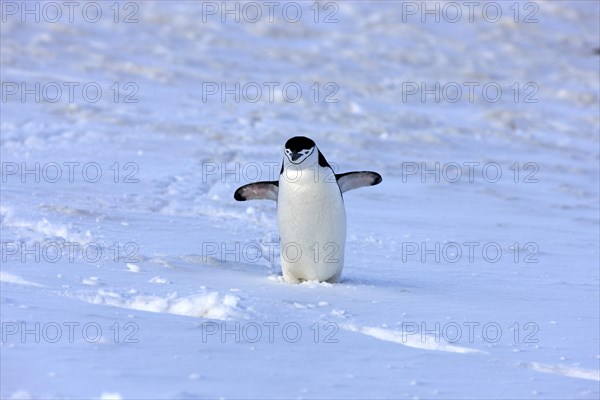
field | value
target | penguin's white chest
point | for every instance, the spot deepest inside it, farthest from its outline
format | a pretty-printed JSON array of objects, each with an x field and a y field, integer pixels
[{"x": 312, "y": 226}]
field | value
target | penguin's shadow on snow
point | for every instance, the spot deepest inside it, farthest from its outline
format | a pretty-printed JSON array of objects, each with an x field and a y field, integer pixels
[
  {"x": 259, "y": 269},
  {"x": 400, "y": 285},
  {"x": 195, "y": 261}
]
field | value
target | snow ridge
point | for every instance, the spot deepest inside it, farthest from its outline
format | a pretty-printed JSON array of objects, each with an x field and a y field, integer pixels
[
  {"x": 409, "y": 340},
  {"x": 210, "y": 305}
]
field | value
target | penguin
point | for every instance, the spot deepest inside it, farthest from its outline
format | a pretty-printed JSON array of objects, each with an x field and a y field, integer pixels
[{"x": 310, "y": 211}]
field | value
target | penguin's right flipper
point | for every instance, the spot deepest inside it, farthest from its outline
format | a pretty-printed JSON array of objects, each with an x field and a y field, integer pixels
[
  {"x": 353, "y": 180},
  {"x": 258, "y": 191}
]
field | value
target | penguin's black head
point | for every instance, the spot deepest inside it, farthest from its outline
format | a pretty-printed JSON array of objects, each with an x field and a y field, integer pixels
[{"x": 298, "y": 148}]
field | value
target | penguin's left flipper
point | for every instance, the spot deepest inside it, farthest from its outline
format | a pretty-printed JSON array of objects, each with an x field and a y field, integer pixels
[
  {"x": 353, "y": 180},
  {"x": 258, "y": 191}
]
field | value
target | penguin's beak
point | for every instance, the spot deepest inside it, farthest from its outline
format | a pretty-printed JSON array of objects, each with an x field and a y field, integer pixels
[{"x": 296, "y": 156}]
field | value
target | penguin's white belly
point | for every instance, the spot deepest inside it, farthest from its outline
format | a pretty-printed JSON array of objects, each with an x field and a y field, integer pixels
[{"x": 312, "y": 228}]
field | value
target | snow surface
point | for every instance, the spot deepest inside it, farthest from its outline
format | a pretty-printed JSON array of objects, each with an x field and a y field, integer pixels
[{"x": 171, "y": 308}]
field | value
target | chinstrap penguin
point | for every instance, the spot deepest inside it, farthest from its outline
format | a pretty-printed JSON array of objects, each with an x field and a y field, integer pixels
[{"x": 310, "y": 211}]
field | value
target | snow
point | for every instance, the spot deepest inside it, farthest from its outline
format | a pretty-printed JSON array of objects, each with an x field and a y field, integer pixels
[
  {"x": 10, "y": 278},
  {"x": 129, "y": 271},
  {"x": 427, "y": 342},
  {"x": 209, "y": 305}
]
